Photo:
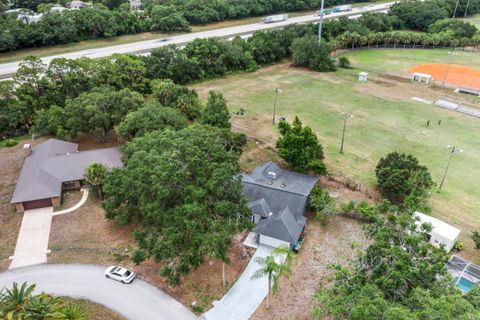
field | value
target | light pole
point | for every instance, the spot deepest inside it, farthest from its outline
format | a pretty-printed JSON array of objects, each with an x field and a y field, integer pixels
[
  {"x": 453, "y": 150},
  {"x": 446, "y": 74},
  {"x": 466, "y": 9},
  {"x": 455, "y": 11},
  {"x": 320, "y": 24},
  {"x": 345, "y": 117},
  {"x": 277, "y": 91}
]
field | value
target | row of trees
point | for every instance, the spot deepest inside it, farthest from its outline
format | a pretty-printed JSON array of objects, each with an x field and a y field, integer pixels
[
  {"x": 402, "y": 39},
  {"x": 20, "y": 302},
  {"x": 47, "y": 99},
  {"x": 109, "y": 18}
]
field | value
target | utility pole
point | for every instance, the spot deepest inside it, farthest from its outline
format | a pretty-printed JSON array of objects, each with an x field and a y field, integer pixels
[
  {"x": 320, "y": 24},
  {"x": 446, "y": 74},
  {"x": 453, "y": 150},
  {"x": 466, "y": 9},
  {"x": 345, "y": 117},
  {"x": 455, "y": 11},
  {"x": 277, "y": 91}
]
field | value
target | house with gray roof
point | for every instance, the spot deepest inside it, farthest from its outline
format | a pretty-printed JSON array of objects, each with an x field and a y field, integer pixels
[
  {"x": 278, "y": 199},
  {"x": 54, "y": 166}
]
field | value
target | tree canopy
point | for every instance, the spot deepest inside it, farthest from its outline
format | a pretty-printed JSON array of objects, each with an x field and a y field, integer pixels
[
  {"x": 401, "y": 179},
  {"x": 400, "y": 276},
  {"x": 299, "y": 146},
  {"x": 187, "y": 196},
  {"x": 151, "y": 117},
  {"x": 216, "y": 112}
]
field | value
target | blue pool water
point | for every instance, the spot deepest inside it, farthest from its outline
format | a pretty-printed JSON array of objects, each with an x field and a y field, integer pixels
[{"x": 464, "y": 284}]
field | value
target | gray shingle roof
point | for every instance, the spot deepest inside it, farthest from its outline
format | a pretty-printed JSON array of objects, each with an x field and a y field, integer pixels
[
  {"x": 54, "y": 162},
  {"x": 281, "y": 226},
  {"x": 284, "y": 193}
]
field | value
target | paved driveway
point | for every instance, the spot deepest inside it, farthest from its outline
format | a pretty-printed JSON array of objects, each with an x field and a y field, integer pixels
[
  {"x": 245, "y": 296},
  {"x": 32, "y": 242},
  {"x": 135, "y": 301}
]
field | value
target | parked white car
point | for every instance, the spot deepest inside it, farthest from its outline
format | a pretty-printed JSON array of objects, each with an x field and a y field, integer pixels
[{"x": 120, "y": 274}]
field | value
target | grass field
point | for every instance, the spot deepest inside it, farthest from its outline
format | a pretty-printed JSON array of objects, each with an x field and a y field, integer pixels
[
  {"x": 385, "y": 120},
  {"x": 398, "y": 61},
  {"x": 475, "y": 20}
]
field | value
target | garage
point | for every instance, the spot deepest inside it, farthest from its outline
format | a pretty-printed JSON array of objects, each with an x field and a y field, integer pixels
[{"x": 42, "y": 203}]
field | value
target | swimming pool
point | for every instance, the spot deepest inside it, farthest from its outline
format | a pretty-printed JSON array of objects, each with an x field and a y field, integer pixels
[{"x": 464, "y": 284}]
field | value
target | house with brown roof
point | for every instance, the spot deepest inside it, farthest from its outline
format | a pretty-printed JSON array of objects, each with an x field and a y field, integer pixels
[{"x": 55, "y": 166}]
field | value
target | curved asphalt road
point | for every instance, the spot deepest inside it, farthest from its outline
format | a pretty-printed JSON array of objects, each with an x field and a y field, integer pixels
[
  {"x": 138, "y": 300},
  {"x": 8, "y": 69}
]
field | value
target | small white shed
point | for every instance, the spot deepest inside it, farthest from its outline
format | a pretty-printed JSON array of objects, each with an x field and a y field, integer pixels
[
  {"x": 442, "y": 232},
  {"x": 422, "y": 78},
  {"x": 362, "y": 76}
]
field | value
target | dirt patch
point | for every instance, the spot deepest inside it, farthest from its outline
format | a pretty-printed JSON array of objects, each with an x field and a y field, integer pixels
[
  {"x": 450, "y": 73},
  {"x": 323, "y": 245},
  {"x": 69, "y": 199}
]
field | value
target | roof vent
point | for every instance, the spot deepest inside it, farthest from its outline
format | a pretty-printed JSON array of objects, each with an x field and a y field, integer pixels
[
  {"x": 272, "y": 175},
  {"x": 283, "y": 185},
  {"x": 270, "y": 182}
]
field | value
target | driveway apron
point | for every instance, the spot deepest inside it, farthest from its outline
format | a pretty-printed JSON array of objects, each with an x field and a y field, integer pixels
[
  {"x": 32, "y": 242},
  {"x": 246, "y": 295}
]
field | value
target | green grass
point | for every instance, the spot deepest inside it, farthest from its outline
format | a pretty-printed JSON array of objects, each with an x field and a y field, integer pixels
[
  {"x": 380, "y": 124},
  {"x": 399, "y": 60},
  {"x": 474, "y": 20}
]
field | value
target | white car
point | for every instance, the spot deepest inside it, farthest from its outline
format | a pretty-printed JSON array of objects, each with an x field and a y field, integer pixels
[{"x": 120, "y": 274}]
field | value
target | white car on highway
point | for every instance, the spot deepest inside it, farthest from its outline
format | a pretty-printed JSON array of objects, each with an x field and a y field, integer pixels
[{"x": 120, "y": 274}]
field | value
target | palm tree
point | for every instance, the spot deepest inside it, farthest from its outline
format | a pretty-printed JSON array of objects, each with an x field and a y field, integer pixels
[
  {"x": 42, "y": 306},
  {"x": 96, "y": 173},
  {"x": 13, "y": 300},
  {"x": 72, "y": 312},
  {"x": 273, "y": 270}
]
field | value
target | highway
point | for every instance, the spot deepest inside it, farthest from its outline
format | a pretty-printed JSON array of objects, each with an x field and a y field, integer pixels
[{"x": 142, "y": 47}]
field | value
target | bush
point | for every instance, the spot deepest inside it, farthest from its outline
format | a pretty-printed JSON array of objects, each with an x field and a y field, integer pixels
[
  {"x": 476, "y": 239},
  {"x": 323, "y": 205},
  {"x": 8, "y": 143},
  {"x": 307, "y": 53},
  {"x": 344, "y": 63},
  {"x": 459, "y": 246}
]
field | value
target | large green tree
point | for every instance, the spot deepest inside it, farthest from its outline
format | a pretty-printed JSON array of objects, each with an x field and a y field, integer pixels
[
  {"x": 169, "y": 94},
  {"x": 150, "y": 118},
  {"x": 307, "y": 53},
  {"x": 299, "y": 146},
  {"x": 96, "y": 112},
  {"x": 185, "y": 188},
  {"x": 216, "y": 112},
  {"x": 401, "y": 179}
]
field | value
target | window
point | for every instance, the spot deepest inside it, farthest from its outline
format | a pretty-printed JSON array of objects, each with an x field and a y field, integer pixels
[{"x": 69, "y": 184}]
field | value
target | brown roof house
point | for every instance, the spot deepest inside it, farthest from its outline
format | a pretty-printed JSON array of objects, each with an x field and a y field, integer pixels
[{"x": 54, "y": 166}]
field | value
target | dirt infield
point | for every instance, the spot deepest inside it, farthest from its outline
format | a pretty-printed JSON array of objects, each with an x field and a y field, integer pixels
[{"x": 452, "y": 74}]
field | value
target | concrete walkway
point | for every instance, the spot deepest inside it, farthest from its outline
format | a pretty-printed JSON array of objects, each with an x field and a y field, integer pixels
[
  {"x": 32, "y": 242},
  {"x": 75, "y": 207},
  {"x": 246, "y": 295},
  {"x": 136, "y": 301}
]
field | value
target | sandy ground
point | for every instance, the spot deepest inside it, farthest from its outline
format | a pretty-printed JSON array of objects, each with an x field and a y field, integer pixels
[{"x": 323, "y": 245}]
